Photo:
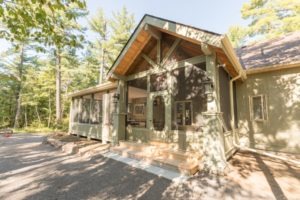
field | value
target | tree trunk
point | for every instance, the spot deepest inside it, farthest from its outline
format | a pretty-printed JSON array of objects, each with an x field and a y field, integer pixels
[
  {"x": 19, "y": 90},
  {"x": 50, "y": 110},
  {"x": 25, "y": 115},
  {"x": 102, "y": 67},
  {"x": 38, "y": 115},
  {"x": 58, "y": 87}
]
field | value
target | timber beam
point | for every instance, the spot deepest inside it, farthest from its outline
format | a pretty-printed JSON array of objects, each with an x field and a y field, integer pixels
[
  {"x": 206, "y": 49},
  {"x": 152, "y": 31},
  {"x": 149, "y": 60},
  {"x": 171, "y": 50}
]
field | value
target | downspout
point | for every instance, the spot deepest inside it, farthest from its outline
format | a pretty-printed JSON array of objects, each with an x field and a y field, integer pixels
[{"x": 236, "y": 136}]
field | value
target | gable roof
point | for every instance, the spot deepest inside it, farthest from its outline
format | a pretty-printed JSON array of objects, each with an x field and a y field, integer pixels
[
  {"x": 140, "y": 37},
  {"x": 270, "y": 53}
]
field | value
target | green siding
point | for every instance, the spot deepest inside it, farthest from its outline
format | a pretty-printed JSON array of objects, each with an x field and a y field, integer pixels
[{"x": 281, "y": 130}]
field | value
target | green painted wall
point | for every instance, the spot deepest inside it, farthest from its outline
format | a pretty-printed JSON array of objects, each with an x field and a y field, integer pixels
[
  {"x": 87, "y": 130},
  {"x": 281, "y": 130}
]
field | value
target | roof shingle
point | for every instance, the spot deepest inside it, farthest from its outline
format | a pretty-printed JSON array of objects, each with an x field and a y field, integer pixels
[{"x": 282, "y": 50}]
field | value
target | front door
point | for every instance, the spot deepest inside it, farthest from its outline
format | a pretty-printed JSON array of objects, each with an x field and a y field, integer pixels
[{"x": 157, "y": 116}]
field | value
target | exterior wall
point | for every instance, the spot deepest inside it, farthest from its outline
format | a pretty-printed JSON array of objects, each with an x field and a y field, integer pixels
[
  {"x": 280, "y": 131},
  {"x": 225, "y": 96},
  {"x": 101, "y": 131},
  {"x": 87, "y": 130}
]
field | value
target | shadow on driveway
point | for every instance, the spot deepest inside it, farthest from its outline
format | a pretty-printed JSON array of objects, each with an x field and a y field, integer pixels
[{"x": 31, "y": 170}]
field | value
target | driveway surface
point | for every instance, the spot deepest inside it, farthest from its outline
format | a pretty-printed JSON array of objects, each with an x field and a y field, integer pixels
[{"x": 32, "y": 170}]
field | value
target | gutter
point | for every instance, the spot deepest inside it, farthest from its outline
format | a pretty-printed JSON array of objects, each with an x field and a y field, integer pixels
[
  {"x": 230, "y": 53},
  {"x": 271, "y": 68}
]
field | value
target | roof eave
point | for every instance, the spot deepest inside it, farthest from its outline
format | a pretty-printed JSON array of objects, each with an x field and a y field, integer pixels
[
  {"x": 230, "y": 53},
  {"x": 271, "y": 68},
  {"x": 94, "y": 89}
]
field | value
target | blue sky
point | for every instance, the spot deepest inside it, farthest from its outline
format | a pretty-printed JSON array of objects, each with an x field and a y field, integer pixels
[{"x": 212, "y": 15}]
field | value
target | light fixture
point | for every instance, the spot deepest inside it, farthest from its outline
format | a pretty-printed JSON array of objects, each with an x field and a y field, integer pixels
[
  {"x": 116, "y": 97},
  {"x": 208, "y": 89}
]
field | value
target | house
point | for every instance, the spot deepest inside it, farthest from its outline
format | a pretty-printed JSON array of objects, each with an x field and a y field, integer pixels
[{"x": 188, "y": 88}]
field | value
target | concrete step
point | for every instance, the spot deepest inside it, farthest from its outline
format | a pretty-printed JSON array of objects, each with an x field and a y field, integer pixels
[
  {"x": 134, "y": 146},
  {"x": 160, "y": 155},
  {"x": 89, "y": 148},
  {"x": 160, "y": 144}
]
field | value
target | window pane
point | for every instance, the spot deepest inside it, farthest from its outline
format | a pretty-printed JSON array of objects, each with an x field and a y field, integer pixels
[
  {"x": 257, "y": 108},
  {"x": 137, "y": 102},
  {"x": 75, "y": 110},
  {"x": 158, "y": 113},
  {"x": 179, "y": 113},
  {"x": 188, "y": 113},
  {"x": 85, "y": 113},
  {"x": 96, "y": 112}
]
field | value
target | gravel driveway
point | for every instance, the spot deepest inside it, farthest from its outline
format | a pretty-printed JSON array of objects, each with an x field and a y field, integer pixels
[{"x": 32, "y": 170}]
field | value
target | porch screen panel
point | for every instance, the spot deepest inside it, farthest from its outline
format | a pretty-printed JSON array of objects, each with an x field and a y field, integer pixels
[
  {"x": 76, "y": 110},
  {"x": 189, "y": 99},
  {"x": 137, "y": 102},
  {"x": 96, "y": 112},
  {"x": 85, "y": 111}
]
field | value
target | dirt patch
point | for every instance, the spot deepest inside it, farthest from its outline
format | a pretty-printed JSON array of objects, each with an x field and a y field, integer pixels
[{"x": 66, "y": 138}]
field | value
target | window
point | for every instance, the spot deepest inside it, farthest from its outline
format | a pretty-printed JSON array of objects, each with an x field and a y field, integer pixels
[
  {"x": 258, "y": 107},
  {"x": 158, "y": 113},
  {"x": 96, "y": 112},
  {"x": 183, "y": 113},
  {"x": 85, "y": 111},
  {"x": 137, "y": 102}
]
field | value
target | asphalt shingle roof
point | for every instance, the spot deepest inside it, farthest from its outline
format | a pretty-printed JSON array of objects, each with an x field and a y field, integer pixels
[{"x": 282, "y": 50}]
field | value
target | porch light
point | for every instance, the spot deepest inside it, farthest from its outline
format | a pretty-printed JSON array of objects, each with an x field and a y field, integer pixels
[
  {"x": 208, "y": 89},
  {"x": 116, "y": 98}
]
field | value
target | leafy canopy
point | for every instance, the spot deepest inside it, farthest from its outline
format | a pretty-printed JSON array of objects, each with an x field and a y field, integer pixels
[
  {"x": 42, "y": 20},
  {"x": 267, "y": 19}
]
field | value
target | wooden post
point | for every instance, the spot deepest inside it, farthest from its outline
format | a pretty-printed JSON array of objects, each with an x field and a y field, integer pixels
[
  {"x": 213, "y": 146},
  {"x": 71, "y": 118},
  {"x": 118, "y": 132},
  {"x": 105, "y": 117}
]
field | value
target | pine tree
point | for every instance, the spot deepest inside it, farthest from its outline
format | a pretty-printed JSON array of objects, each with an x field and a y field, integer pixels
[
  {"x": 268, "y": 19},
  {"x": 112, "y": 36}
]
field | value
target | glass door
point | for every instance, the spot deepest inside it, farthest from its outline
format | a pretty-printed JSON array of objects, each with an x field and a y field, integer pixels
[{"x": 157, "y": 116}]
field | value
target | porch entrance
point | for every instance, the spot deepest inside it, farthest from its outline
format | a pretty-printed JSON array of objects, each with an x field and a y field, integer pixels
[{"x": 157, "y": 116}]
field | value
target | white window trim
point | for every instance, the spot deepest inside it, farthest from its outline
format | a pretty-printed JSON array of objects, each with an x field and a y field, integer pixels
[
  {"x": 264, "y": 108},
  {"x": 185, "y": 101}
]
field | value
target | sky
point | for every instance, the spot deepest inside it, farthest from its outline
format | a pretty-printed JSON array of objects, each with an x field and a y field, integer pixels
[{"x": 212, "y": 15}]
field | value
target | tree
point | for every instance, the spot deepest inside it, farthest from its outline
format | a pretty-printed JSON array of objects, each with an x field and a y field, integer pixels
[
  {"x": 122, "y": 25},
  {"x": 268, "y": 19},
  {"x": 98, "y": 24},
  {"x": 52, "y": 23},
  {"x": 112, "y": 36},
  {"x": 238, "y": 35},
  {"x": 16, "y": 65},
  {"x": 34, "y": 18}
]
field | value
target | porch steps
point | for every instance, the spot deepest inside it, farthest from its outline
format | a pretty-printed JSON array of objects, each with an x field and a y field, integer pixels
[
  {"x": 160, "y": 154},
  {"x": 90, "y": 150}
]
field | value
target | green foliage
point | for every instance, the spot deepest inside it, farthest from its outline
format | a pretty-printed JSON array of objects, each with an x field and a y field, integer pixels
[
  {"x": 268, "y": 19},
  {"x": 113, "y": 34},
  {"x": 52, "y": 27},
  {"x": 40, "y": 20},
  {"x": 237, "y": 35}
]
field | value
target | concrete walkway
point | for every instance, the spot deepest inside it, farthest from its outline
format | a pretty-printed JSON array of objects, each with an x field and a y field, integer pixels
[{"x": 32, "y": 170}]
